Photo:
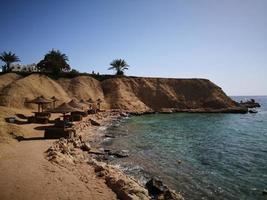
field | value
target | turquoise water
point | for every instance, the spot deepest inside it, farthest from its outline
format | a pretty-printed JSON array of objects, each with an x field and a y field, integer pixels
[{"x": 203, "y": 156}]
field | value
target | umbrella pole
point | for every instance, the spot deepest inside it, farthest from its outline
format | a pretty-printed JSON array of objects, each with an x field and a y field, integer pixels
[
  {"x": 63, "y": 120},
  {"x": 38, "y": 108}
]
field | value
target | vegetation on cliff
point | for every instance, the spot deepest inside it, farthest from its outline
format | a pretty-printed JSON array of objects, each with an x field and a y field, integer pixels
[{"x": 8, "y": 58}]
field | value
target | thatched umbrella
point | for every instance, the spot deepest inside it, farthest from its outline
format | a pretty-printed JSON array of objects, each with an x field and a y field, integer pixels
[
  {"x": 40, "y": 101},
  {"x": 65, "y": 108},
  {"x": 54, "y": 99},
  {"x": 74, "y": 103}
]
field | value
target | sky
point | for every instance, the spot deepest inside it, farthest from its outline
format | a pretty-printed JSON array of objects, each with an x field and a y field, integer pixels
[{"x": 221, "y": 40}]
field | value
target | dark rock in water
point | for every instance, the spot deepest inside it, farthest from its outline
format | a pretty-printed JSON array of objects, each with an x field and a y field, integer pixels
[
  {"x": 123, "y": 114},
  {"x": 250, "y": 104},
  {"x": 179, "y": 161},
  {"x": 109, "y": 136},
  {"x": 264, "y": 192},
  {"x": 158, "y": 190},
  {"x": 252, "y": 111},
  {"x": 97, "y": 152},
  {"x": 94, "y": 123},
  {"x": 118, "y": 154},
  {"x": 155, "y": 187}
]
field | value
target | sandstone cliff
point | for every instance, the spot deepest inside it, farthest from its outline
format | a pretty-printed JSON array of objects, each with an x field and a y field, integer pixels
[{"x": 134, "y": 94}]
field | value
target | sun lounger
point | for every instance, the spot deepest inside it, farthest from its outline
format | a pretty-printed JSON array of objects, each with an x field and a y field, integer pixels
[{"x": 54, "y": 132}]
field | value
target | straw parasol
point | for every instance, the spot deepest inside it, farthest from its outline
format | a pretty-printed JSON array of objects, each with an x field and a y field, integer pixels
[
  {"x": 54, "y": 99},
  {"x": 40, "y": 101},
  {"x": 74, "y": 103},
  {"x": 65, "y": 108}
]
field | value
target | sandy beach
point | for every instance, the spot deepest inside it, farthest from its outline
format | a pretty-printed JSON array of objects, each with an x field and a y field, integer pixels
[
  {"x": 37, "y": 168},
  {"x": 27, "y": 174}
]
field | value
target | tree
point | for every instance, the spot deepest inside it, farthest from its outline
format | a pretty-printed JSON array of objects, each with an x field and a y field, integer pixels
[
  {"x": 54, "y": 61},
  {"x": 119, "y": 65},
  {"x": 8, "y": 58}
]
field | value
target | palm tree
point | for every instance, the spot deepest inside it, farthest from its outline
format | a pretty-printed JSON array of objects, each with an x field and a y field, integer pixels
[
  {"x": 8, "y": 58},
  {"x": 54, "y": 61},
  {"x": 119, "y": 65}
]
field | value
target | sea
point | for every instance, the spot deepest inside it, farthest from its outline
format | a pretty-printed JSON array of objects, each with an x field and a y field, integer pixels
[{"x": 202, "y": 156}]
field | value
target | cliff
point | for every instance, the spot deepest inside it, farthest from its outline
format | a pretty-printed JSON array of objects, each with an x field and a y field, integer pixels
[{"x": 134, "y": 94}]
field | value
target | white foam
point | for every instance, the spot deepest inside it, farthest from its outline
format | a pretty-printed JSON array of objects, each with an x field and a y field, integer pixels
[{"x": 103, "y": 128}]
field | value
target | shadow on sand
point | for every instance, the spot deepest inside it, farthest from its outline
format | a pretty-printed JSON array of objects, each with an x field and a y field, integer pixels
[{"x": 22, "y": 138}]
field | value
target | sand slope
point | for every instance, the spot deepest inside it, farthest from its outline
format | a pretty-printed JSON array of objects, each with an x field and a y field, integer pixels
[
  {"x": 30, "y": 87},
  {"x": 7, "y": 79},
  {"x": 82, "y": 87}
]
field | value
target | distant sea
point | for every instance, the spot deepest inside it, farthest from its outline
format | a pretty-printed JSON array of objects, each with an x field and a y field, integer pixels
[{"x": 202, "y": 156}]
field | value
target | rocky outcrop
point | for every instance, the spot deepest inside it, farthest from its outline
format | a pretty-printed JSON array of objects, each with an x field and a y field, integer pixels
[
  {"x": 159, "y": 94},
  {"x": 125, "y": 187},
  {"x": 132, "y": 94},
  {"x": 158, "y": 190},
  {"x": 66, "y": 152},
  {"x": 250, "y": 104}
]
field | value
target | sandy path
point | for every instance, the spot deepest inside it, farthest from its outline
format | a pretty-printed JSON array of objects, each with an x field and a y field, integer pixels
[{"x": 26, "y": 174}]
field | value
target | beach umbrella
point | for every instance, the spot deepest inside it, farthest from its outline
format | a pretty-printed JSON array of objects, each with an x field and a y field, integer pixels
[
  {"x": 76, "y": 104},
  {"x": 40, "y": 101},
  {"x": 65, "y": 108},
  {"x": 54, "y": 99}
]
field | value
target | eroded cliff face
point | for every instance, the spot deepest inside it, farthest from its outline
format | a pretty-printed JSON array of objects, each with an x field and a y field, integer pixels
[
  {"x": 159, "y": 94},
  {"x": 128, "y": 93}
]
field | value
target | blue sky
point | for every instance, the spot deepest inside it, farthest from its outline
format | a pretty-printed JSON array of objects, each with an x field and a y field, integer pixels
[{"x": 222, "y": 40}]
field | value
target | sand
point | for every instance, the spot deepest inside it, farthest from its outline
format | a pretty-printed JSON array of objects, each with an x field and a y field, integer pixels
[
  {"x": 14, "y": 94},
  {"x": 7, "y": 79},
  {"x": 26, "y": 173}
]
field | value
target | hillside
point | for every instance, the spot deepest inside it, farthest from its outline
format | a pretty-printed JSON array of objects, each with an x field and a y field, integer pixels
[{"x": 134, "y": 94}]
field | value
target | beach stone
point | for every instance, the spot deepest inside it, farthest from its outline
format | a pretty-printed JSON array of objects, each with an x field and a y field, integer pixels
[
  {"x": 123, "y": 114},
  {"x": 99, "y": 168},
  {"x": 77, "y": 144},
  {"x": 109, "y": 136},
  {"x": 94, "y": 123},
  {"x": 86, "y": 146}
]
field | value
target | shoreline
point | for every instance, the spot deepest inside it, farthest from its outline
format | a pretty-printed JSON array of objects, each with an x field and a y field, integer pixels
[{"x": 125, "y": 186}]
